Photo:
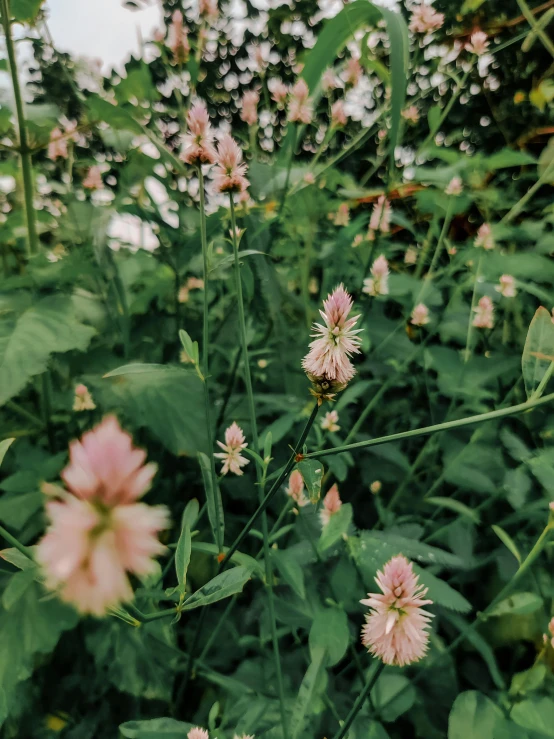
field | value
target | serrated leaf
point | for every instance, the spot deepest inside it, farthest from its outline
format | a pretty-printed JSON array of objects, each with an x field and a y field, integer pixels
[
  {"x": 312, "y": 474},
  {"x": 213, "y": 500},
  {"x": 221, "y": 586},
  {"x": 539, "y": 341},
  {"x": 508, "y": 542}
]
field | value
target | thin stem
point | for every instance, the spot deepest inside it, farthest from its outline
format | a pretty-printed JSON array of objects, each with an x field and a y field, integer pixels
[
  {"x": 16, "y": 408},
  {"x": 544, "y": 382},
  {"x": 444, "y": 231},
  {"x": 470, "y": 420},
  {"x": 537, "y": 29},
  {"x": 289, "y": 167},
  {"x": 518, "y": 207},
  {"x": 204, "y": 242},
  {"x": 26, "y": 162},
  {"x": 467, "y": 352},
  {"x": 27, "y": 551},
  {"x": 374, "y": 676}
]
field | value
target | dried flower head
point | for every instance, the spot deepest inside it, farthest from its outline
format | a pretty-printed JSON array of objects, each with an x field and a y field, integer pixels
[
  {"x": 378, "y": 283},
  {"x": 198, "y": 142},
  {"x": 410, "y": 257},
  {"x": 411, "y": 114},
  {"x": 420, "y": 315},
  {"x": 295, "y": 490},
  {"x": 396, "y": 627},
  {"x": 231, "y": 454},
  {"x": 342, "y": 216},
  {"x": 484, "y": 313},
  {"x": 330, "y": 422},
  {"x": 230, "y": 169},
  {"x": 425, "y": 19},
  {"x": 376, "y": 486},
  {"x": 331, "y": 504},
  {"x": 507, "y": 286},
  {"x": 83, "y": 399}
]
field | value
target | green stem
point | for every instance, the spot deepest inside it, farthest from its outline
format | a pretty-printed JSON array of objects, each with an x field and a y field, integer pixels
[
  {"x": 26, "y": 163},
  {"x": 467, "y": 352},
  {"x": 544, "y": 382},
  {"x": 16, "y": 408},
  {"x": 482, "y": 417},
  {"x": 374, "y": 676},
  {"x": 537, "y": 29},
  {"x": 518, "y": 207},
  {"x": 444, "y": 231},
  {"x": 27, "y": 551},
  {"x": 289, "y": 167}
]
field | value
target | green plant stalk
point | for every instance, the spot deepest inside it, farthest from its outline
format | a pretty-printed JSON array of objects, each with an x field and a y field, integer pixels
[
  {"x": 424, "y": 251},
  {"x": 426, "y": 430},
  {"x": 544, "y": 382},
  {"x": 289, "y": 167},
  {"x": 537, "y": 28},
  {"x": 518, "y": 207},
  {"x": 467, "y": 352},
  {"x": 27, "y": 551},
  {"x": 356, "y": 708},
  {"x": 261, "y": 478},
  {"x": 26, "y": 162},
  {"x": 204, "y": 242},
  {"x": 444, "y": 231}
]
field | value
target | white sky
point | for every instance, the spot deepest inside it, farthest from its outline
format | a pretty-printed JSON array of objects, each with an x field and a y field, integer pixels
[{"x": 101, "y": 29}]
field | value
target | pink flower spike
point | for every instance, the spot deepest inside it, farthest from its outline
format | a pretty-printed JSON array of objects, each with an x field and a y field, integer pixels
[
  {"x": 177, "y": 38},
  {"x": 380, "y": 218},
  {"x": 208, "y": 10},
  {"x": 295, "y": 489},
  {"x": 454, "y": 187},
  {"x": 352, "y": 72},
  {"x": 198, "y": 733},
  {"x": 57, "y": 146},
  {"x": 231, "y": 455},
  {"x": 342, "y": 216},
  {"x": 83, "y": 399},
  {"x": 198, "y": 142},
  {"x": 484, "y": 237},
  {"x": 507, "y": 286},
  {"x": 338, "y": 115},
  {"x": 230, "y": 169},
  {"x": 396, "y": 627},
  {"x": 331, "y": 504},
  {"x": 425, "y": 19},
  {"x": 330, "y": 422},
  {"x": 411, "y": 114},
  {"x": 484, "y": 313},
  {"x": 478, "y": 43},
  {"x": 279, "y": 91},
  {"x": 93, "y": 180},
  {"x": 329, "y": 80},
  {"x": 420, "y": 315},
  {"x": 249, "y": 111},
  {"x": 300, "y": 108},
  {"x": 378, "y": 283}
]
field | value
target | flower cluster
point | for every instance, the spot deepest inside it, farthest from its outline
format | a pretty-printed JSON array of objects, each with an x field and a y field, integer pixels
[
  {"x": 378, "y": 283},
  {"x": 235, "y": 442},
  {"x": 198, "y": 142}
]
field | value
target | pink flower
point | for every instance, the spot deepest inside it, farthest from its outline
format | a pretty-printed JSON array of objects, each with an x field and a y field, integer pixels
[
  {"x": 295, "y": 489},
  {"x": 93, "y": 180},
  {"x": 198, "y": 142},
  {"x": 249, "y": 112},
  {"x": 378, "y": 284},
  {"x": 420, "y": 315},
  {"x": 352, "y": 72},
  {"x": 208, "y": 10},
  {"x": 551, "y": 630},
  {"x": 309, "y": 178},
  {"x": 57, "y": 146},
  {"x": 478, "y": 43},
  {"x": 177, "y": 38},
  {"x": 380, "y": 218},
  {"x": 328, "y": 358},
  {"x": 425, "y": 19},
  {"x": 231, "y": 454},
  {"x": 329, "y": 80},
  {"x": 279, "y": 91},
  {"x": 98, "y": 532},
  {"x": 300, "y": 108},
  {"x": 396, "y": 627},
  {"x": 338, "y": 116},
  {"x": 329, "y": 422},
  {"x": 331, "y": 504},
  {"x": 484, "y": 313},
  {"x": 410, "y": 257},
  {"x": 342, "y": 216},
  {"x": 507, "y": 286},
  {"x": 411, "y": 114},
  {"x": 376, "y": 486},
  {"x": 484, "y": 237},
  {"x": 454, "y": 187},
  {"x": 83, "y": 399},
  {"x": 230, "y": 169},
  {"x": 198, "y": 733}
]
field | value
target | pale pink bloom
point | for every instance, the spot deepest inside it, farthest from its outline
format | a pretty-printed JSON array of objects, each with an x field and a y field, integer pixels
[
  {"x": 330, "y": 421},
  {"x": 331, "y": 504},
  {"x": 478, "y": 43},
  {"x": 484, "y": 237},
  {"x": 57, "y": 146},
  {"x": 454, "y": 187},
  {"x": 358, "y": 239},
  {"x": 198, "y": 733},
  {"x": 295, "y": 489},
  {"x": 376, "y": 486},
  {"x": 507, "y": 286},
  {"x": 352, "y": 72},
  {"x": 338, "y": 115},
  {"x": 380, "y": 218},
  {"x": 309, "y": 178},
  {"x": 230, "y": 169},
  {"x": 93, "y": 180},
  {"x": 411, "y": 114},
  {"x": 551, "y": 505},
  {"x": 262, "y": 363},
  {"x": 184, "y": 294},
  {"x": 420, "y": 315},
  {"x": 342, "y": 216},
  {"x": 195, "y": 283},
  {"x": 378, "y": 283},
  {"x": 198, "y": 142},
  {"x": 158, "y": 35},
  {"x": 300, "y": 108},
  {"x": 396, "y": 627},
  {"x": 410, "y": 257},
  {"x": 98, "y": 532},
  {"x": 551, "y": 624},
  {"x": 484, "y": 313},
  {"x": 177, "y": 38},
  {"x": 249, "y": 107},
  {"x": 425, "y": 19},
  {"x": 279, "y": 91},
  {"x": 208, "y": 10},
  {"x": 336, "y": 341},
  {"x": 313, "y": 286},
  {"x": 83, "y": 399},
  {"x": 231, "y": 454},
  {"x": 329, "y": 80}
]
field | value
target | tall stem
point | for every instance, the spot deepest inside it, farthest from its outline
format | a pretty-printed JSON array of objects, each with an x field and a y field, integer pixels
[
  {"x": 360, "y": 701},
  {"x": 27, "y": 551},
  {"x": 467, "y": 353},
  {"x": 26, "y": 163},
  {"x": 204, "y": 241}
]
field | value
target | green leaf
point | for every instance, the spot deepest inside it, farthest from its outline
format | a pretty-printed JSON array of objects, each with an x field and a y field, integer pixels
[
  {"x": 221, "y": 586},
  {"x": 114, "y": 115},
  {"x": 313, "y": 684},
  {"x": 155, "y": 728},
  {"x": 330, "y": 632},
  {"x": 517, "y": 604},
  {"x": 290, "y": 570},
  {"x": 25, "y": 11},
  {"x": 455, "y": 506},
  {"x": 16, "y": 586},
  {"x": 535, "y": 714},
  {"x": 528, "y": 680},
  {"x": 538, "y": 352},
  {"x": 30, "y": 336},
  {"x": 166, "y": 399},
  {"x": 515, "y": 446},
  {"x": 137, "y": 84},
  {"x": 473, "y": 716},
  {"x": 183, "y": 551},
  {"x": 337, "y": 527},
  {"x": 213, "y": 500},
  {"x": 238, "y": 558},
  {"x": 508, "y": 542},
  {"x": 482, "y": 646},
  {"x": 312, "y": 474},
  {"x": 509, "y": 158},
  {"x": 470, "y": 6},
  {"x": 16, "y": 510},
  {"x": 393, "y": 695},
  {"x": 4, "y": 446},
  {"x": 433, "y": 118},
  {"x": 441, "y": 593}
]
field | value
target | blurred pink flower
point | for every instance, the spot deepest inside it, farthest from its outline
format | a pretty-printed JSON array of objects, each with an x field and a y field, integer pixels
[
  {"x": 338, "y": 115},
  {"x": 484, "y": 313},
  {"x": 300, "y": 108},
  {"x": 331, "y": 504},
  {"x": 330, "y": 421},
  {"x": 198, "y": 142},
  {"x": 309, "y": 178},
  {"x": 410, "y": 257},
  {"x": 279, "y": 91},
  {"x": 380, "y": 218},
  {"x": 425, "y": 18},
  {"x": 295, "y": 489},
  {"x": 342, "y": 216},
  {"x": 411, "y": 114},
  {"x": 478, "y": 43},
  {"x": 57, "y": 146},
  {"x": 329, "y": 80},
  {"x": 93, "y": 180},
  {"x": 335, "y": 342},
  {"x": 198, "y": 733},
  {"x": 249, "y": 107},
  {"x": 420, "y": 315},
  {"x": 376, "y": 486},
  {"x": 352, "y": 72},
  {"x": 208, "y": 10},
  {"x": 378, "y": 283},
  {"x": 230, "y": 169},
  {"x": 83, "y": 399},
  {"x": 177, "y": 38},
  {"x": 507, "y": 286},
  {"x": 231, "y": 454},
  {"x": 454, "y": 187},
  {"x": 484, "y": 237},
  {"x": 396, "y": 627},
  {"x": 98, "y": 533}
]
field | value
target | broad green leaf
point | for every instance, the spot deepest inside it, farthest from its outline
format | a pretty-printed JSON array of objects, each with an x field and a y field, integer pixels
[
  {"x": 482, "y": 646},
  {"x": 239, "y": 558},
  {"x": 213, "y": 500},
  {"x": 528, "y": 680},
  {"x": 16, "y": 586},
  {"x": 392, "y": 696},
  {"x": 312, "y": 686},
  {"x": 222, "y": 586},
  {"x": 312, "y": 474},
  {"x": 17, "y": 559},
  {"x": 455, "y": 506},
  {"x": 441, "y": 593},
  {"x": 25, "y": 11},
  {"x": 16, "y": 510},
  {"x": 29, "y": 337},
  {"x": 517, "y": 604},
  {"x": 473, "y": 716},
  {"x": 516, "y": 448},
  {"x": 155, "y": 728},
  {"x": 509, "y": 158},
  {"x": 4, "y": 446},
  {"x": 112, "y": 114},
  {"x": 508, "y": 542},
  {"x": 137, "y": 85},
  {"x": 166, "y": 399},
  {"x": 536, "y": 715},
  {"x": 290, "y": 570},
  {"x": 330, "y": 632},
  {"x": 538, "y": 352},
  {"x": 338, "y": 526}
]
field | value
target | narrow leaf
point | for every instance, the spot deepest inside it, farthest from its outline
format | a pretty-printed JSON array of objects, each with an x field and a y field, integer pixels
[
  {"x": 222, "y": 586},
  {"x": 213, "y": 499},
  {"x": 455, "y": 506},
  {"x": 4, "y": 446},
  {"x": 508, "y": 542},
  {"x": 540, "y": 340},
  {"x": 311, "y": 685}
]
